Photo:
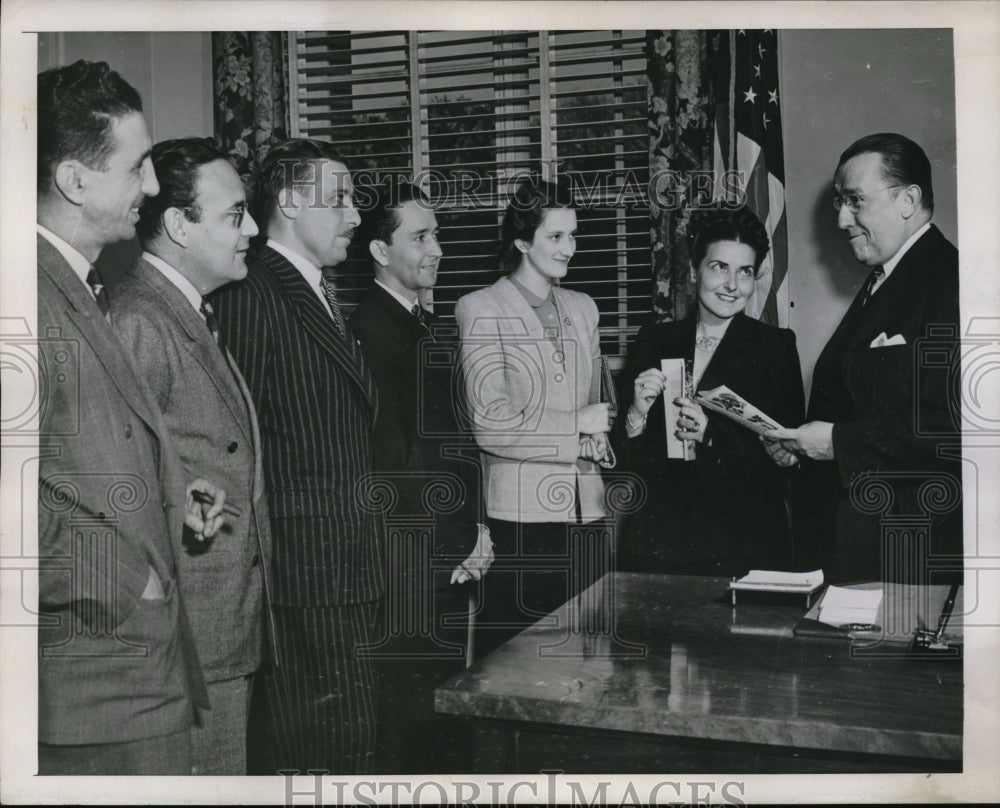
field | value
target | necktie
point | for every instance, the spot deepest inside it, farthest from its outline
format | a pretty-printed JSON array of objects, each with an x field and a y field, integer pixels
[
  {"x": 213, "y": 326},
  {"x": 422, "y": 317},
  {"x": 330, "y": 293},
  {"x": 210, "y": 320},
  {"x": 873, "y": 283},
  {"x": 418, "y": 312},
  {"x": 96, "y": 284}
]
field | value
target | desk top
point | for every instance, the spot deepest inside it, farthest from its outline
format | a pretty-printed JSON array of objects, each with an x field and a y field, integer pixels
[{"x": 668, "y": 655}]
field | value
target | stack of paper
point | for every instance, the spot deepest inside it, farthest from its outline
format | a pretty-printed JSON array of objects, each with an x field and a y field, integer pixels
[
  {"x": 774, "y": 581},
  {"x": 843, "y": 606}
]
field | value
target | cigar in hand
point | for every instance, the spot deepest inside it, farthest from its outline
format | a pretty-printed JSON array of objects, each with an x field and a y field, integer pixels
[{"x": 208, "y": 499}]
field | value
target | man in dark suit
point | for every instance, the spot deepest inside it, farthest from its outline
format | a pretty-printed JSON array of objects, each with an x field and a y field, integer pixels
[
  {"x": 195, "y": 234},
  {"x": 119, "y": 681},
  {"x": 882, "y": 440},
  {"x": 434, "y": 542},
  {"x": 316, "y": 401}
]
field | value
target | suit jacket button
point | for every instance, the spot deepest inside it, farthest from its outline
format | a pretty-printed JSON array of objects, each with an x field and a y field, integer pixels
[
  {"x": 128, "y": 430},
  {"x": 232, "y": 447},
  {"x": 255, "y": 560}
]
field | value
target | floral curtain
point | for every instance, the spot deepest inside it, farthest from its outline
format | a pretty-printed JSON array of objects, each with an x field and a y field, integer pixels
[
  {"x": 681, "y": 127},
  {"x": 250, "y": 107}
]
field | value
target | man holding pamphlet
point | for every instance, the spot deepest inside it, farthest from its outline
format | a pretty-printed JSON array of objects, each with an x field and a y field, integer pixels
[
  {"x": 723, "y": 512},
  {"x": 882, "y": 443}
]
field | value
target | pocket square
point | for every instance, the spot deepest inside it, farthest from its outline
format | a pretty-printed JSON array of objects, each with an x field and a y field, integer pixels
[{"x": 883, "y": 341}]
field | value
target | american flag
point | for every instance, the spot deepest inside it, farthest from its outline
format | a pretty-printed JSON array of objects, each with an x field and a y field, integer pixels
[{"x": 748, "y": 142}]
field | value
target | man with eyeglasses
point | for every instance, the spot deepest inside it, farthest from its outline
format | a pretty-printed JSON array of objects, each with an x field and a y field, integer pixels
[
  {"x": 194, "y": 235},
  {"x": 879, "y": 415}
]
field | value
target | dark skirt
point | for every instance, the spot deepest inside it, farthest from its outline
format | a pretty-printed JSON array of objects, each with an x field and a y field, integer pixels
[
  {"x": 693, "y": 520},
  {"x": 538, "y": 567}
]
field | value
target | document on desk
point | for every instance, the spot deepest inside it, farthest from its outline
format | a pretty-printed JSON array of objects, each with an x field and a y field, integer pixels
[
  {"x": 842, "y": 606},
  {"x": 777, "y": 581}
]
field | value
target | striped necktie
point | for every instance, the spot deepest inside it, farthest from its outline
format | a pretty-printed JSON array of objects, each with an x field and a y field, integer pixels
[
  {"x": 418, "y": 312},
  {"x": 422, "y": 317},
  {"x": 96, "y": 284},
  {"x": 330, "y": 293},
  {"x": 873, "y": 283}
]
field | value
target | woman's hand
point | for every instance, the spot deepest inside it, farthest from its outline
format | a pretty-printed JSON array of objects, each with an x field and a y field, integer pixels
[
  {"x": 594, "y": 447},
  {"x": 593, "y": 419},
  {"x": 692, "y": 421},
  {"x": 648, "y": 386}
]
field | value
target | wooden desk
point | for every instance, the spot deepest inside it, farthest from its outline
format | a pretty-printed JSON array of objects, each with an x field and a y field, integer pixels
[{"x": 647, "y": 673}]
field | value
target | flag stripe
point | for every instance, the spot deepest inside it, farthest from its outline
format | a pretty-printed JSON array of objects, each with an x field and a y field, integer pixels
[{"x": 748, "y": 141}]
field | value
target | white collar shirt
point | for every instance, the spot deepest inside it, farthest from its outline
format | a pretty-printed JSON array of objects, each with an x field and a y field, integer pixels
[
  {"x": 80, "y": 265},
  {"x": 406, "y": 304},
  {"x": 309, "y": 271},
  {"x": 891, "y": 264},
  {"x": 183, "y": 284}
]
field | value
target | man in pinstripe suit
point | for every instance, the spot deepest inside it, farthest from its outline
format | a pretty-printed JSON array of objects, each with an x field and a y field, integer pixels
[
  {"x": 880, "y": 415},
  {"x": 316, "y": 404}
]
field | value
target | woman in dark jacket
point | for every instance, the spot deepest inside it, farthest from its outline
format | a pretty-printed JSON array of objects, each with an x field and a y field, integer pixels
[{"x": 723, "y": 512}]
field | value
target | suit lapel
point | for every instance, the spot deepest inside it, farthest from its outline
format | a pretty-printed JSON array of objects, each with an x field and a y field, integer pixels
[
  {"x": 83, "y": 311},
  {"x": 404, "y": 327},
  {"x": 317, "y": 323},
  {"x": 897, "y": 295},
  {"x": 200, "y": 343},
  {"x": 848, "y": 330},
  {"x": 251, "y": 415},
  {"x": 520, "y": 309}
]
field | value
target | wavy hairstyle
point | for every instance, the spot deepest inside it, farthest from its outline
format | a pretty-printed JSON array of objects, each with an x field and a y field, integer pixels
[{"x": 710, "y": 225}]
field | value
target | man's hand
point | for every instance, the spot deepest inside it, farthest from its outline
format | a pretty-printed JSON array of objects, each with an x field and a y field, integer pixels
[
  {"x": 813, "y": 440},
  {"x": 778, "y": 453},
  {"x": 204, "y": 519},
  {"x": 594, "y": 447},
  {"x": 476, "y": 565}
]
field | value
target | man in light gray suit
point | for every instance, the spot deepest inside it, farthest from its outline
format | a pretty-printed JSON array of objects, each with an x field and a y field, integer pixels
[
  {"x": 119, "y": 683},
  {"x": 195, "y": 234}
]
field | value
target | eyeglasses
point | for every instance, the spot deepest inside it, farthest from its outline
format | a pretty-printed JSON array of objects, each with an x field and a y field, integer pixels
[
  {"x": 856, "y": 202},
  {"x": 236, "y": 212}
]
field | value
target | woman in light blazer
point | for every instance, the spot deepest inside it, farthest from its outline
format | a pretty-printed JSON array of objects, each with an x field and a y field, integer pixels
[{"x": 529, "y": 349}]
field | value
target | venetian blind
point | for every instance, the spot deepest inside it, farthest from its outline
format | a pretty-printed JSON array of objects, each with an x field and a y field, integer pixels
[{"x": 466, "y": 114}]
